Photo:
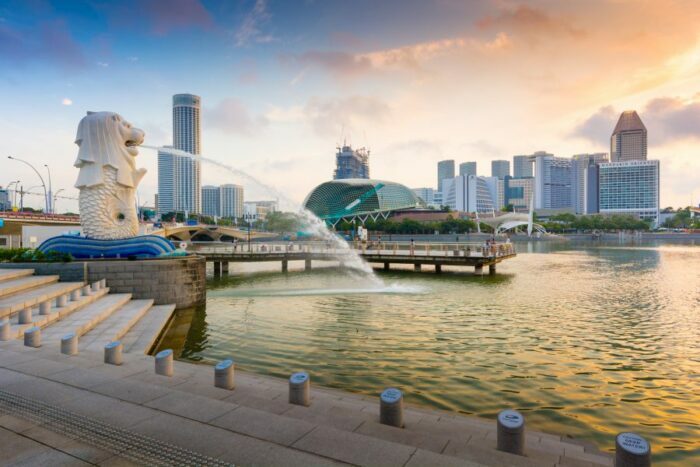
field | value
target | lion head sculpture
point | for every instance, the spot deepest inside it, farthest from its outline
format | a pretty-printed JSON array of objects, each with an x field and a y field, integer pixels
[{"x": 106, "y": 139}]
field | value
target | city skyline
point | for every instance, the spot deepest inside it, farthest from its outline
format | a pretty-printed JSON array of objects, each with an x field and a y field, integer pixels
[{"x": 276, "y": 103}]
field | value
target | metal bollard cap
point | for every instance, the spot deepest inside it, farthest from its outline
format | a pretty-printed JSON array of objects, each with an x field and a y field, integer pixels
[
  {"x": 511, "y": 419},
  {"x": 164, "y": 353},
  {"x": 299, "y": 378},
  {"x": 224, "y": 364},
  {"x": 68, "y": 336},
  {"x": 391, "y": 396},
  {"x": 32, "y": 329},
  {"x": 113, "y": 344},
  {"x": 633, "y": 443}
]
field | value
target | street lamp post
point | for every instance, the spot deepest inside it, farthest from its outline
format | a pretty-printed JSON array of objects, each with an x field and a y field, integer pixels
[
  {"x": 14, "y": 193},
  {"x": 50, "y": 195},
  {"x": 53, "y": 201},
  {"x": 46, "y": 199}
]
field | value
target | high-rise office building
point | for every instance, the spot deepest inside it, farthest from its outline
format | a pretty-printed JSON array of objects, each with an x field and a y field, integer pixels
[
  {"x": 467, "y": 168},
  {"x": 211, "y": 200},
  {"x": 445, "y": 169},
  {"x": 518, "y": 191},
  {"x": 187, "y": 137},
  {"x": 591, "y": 183},
  {"x": 500, "y": 169},
  {"x": 579, "y": 183},
  {"x": 231, "y": 201},
  {"x": 552, "y": 181},
  {"x": 166, "y": 182},
  {"x": 470, "y": 193},
  {"x": 351, "y": 163},
  {"x": 427, "y": 195},
  {"x": 629, "y": 139},
  {"x": 630, "y": 187},
  {"x": 522, "y": 166}
]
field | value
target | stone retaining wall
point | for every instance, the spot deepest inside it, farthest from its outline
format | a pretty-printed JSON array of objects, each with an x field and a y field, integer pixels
[{"x": 169, "y": 280}]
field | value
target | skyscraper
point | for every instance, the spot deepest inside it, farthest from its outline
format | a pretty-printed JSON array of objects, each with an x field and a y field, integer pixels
[
  {"x": 522, "y": 166},
  {"x": 552, "y": 181},
  {"x": 579, "y": 173},
  {"x": 166, "y": 182},
  {"x": 629, "y": 139},
  {"x": 500, "y": 169},
  {"x": 470, "y": 193},
  {"x": 351, "y": 163},
  {"x": 187, "y": 137},
  {"x": 630, "y": 187},
  {"x": 445, "y": 169},
  {"x": 231, "y": 201},
  {"x": 467, "y": 168}
]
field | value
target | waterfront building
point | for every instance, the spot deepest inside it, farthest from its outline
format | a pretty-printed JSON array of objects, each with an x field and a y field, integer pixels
[
  {"x": 518, "y": 192},
  {"x": 467, "y": 168},
  {"x": 351, "y": 163},
  {"x": 629, "y": 138},
  {"x": 5, "y": 204},
  {"x": 232, "y": 201},
  {"x": 580, "y": 175},
  {"x": 500, "y": 169},
  {"x": 552, "y": 181},
  {"x": 522, "y": 166},
  {"x": 470, "y": 193},
  {"x": 445, "y": 169},
  {"x": 591, "y": 183},
  {"x": 360, "y": 199},
  {"x": 630, "y": 187},
  {"x": 211, "y": 201},
  {"x": 427, "y": 195},
  {"x": 166, "y": 182},
  {"x": 260, "y": 208},
  {"x": 187, "y": 137}
]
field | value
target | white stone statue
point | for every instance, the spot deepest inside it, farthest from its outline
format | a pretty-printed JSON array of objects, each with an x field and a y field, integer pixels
[{"x": 108, "y": 175}]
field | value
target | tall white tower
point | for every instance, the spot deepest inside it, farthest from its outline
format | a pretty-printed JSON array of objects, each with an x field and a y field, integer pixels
[{"x": 187, "y": 137}]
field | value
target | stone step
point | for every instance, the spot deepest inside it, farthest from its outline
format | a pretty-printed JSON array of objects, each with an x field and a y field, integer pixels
[
  {"x": 7, "y": 274},
  {"x": 32, "y": 297},
  {"x": 141, "y": 338},
  {"x": 57, "y": 313},
  {"x": 86, "y": 318},
  {"x": 115, "y": 326},
  {"x": 17, "y": 285}
]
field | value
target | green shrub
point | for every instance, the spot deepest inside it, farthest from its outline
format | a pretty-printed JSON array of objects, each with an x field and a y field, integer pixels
[
  {"x": 9, "y": 253},
  {"x": 36, "y": 256}
]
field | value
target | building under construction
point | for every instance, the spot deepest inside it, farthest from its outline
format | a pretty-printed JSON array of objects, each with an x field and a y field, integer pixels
[{"x": 351, "y": 163}]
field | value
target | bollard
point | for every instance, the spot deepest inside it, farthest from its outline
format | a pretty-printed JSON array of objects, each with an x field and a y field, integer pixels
[
  {"x": 32, "y": 337},
  {"x": 103, "y": 283},
  {"x": 164, "y": 362},
  {"x": 75, "y": 295},
  {"x": 96, "y": 286},
  {"x": 113, "y": 353},
  {"x": 86, "y": 290},
  {"x": 223, "y": 374},
  {"x": 511, "y": 432},
  {"x": 300, "y": 389},
  {"x": 5, "y": 331},
  {"x": 631, "y": 450},
  {"x": 391, "y": 407},
  {"x": 69, "y": 344},
  {"x": 25, "y": 316},
  {"x": 45, "y": 307},
  {"x": 62, "y": 301}
]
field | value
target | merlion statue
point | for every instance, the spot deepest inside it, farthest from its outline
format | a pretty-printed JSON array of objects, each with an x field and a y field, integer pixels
[{"x": 108, "y": 175}]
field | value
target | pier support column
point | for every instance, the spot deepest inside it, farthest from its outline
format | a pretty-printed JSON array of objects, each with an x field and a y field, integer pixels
[
  {"x": 478, "y": 269},
  {"x": 307, "y": 265},
  {"x": 438, "y": 268},
  {"x": 417, "y": 267},
  {"x": 217, "y": 268},
  {"x": 492, "y": 269},
  {"x": 285, "y": 265},
  {"x": 224, "y": 268},
  {"x": 386, "y": 266}
]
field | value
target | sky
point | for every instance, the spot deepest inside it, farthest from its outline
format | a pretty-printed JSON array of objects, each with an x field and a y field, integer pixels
[{"x": 284, "y": 82}]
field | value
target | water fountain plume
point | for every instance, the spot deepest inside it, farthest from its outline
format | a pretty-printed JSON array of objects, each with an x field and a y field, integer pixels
[{"x": 317, "y": 227}]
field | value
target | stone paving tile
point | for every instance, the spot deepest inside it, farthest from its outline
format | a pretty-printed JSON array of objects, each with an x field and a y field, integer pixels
[
  {"x": 204, "y": 389},
  {"x": 45, "y": 391},
  {"x": 19, "y": 450},
  {"x": 67, "y": 445},
  {"x": 9, "y": 377},
  {"x": 264, "y": 425},
  {"x": 202, "y": 409},
  {"x": 491, "y": 457},
  {"x": 16, "y": 424},
  {"x": 109, "y": 410},
  {"x": 10, "y": 358},
  {"x": 277, "y": 406},
  {"x": 597, "y": 458},
  {"x": 419, "y": 439},
  {"x": 50, "y": 457},
  {"x": 354, "y": 448},
  {"x": 41, "y": 367},
  {"x": 249, "y": 451},
  {"x": 341, "y": 419},
  {"x": 82, "y": 377},
  {"x": 117, "y": 461},
  {"x": 422, "y": 458},
  {"x": 131, "y": 391}
]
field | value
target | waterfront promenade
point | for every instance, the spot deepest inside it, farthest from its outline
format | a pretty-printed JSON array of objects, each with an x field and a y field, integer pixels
[{"x": 76, "y": 410}]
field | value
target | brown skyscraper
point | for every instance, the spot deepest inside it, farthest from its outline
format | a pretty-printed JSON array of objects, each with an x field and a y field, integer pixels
[{"x": 629, "y": 139}]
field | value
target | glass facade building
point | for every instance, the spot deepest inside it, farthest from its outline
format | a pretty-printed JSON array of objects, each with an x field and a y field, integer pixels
[
  {"x": 630, "y": 187},
  {"x": 522, "y": 166},
  {"x": 518, "y": 191},
  {"x": 468, "y": 193},
  {"x": 579, "y": 178},
  {"x": 445, "y": 169},
  {"x": 211, "y": 201},
  {"x": 629, "y": 139},
  {"x": 500, "y": 169},
  {"x": 552, "y": 181},
  {"x": 187, "y": 137},
  {"x": 467, "y": 168}
]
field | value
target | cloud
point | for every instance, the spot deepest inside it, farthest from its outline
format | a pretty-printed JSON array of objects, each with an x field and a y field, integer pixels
[
  {"x": 530, "y": 22},
  {"x": 50, "y": 41},
  {"x": 103, "y": 64},
  {"x": 250, "y": 30},
  {"x": 231, "y": 115},
  {"x": 351, "y": 114},
  {"x": 66, "y": 101},
  {"x": 160, "y": 17},
  {"x": 667, "y": 119}
]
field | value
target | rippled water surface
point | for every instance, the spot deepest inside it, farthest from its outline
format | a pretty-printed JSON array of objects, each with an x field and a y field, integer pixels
[{"x": 587, "y": 340}]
